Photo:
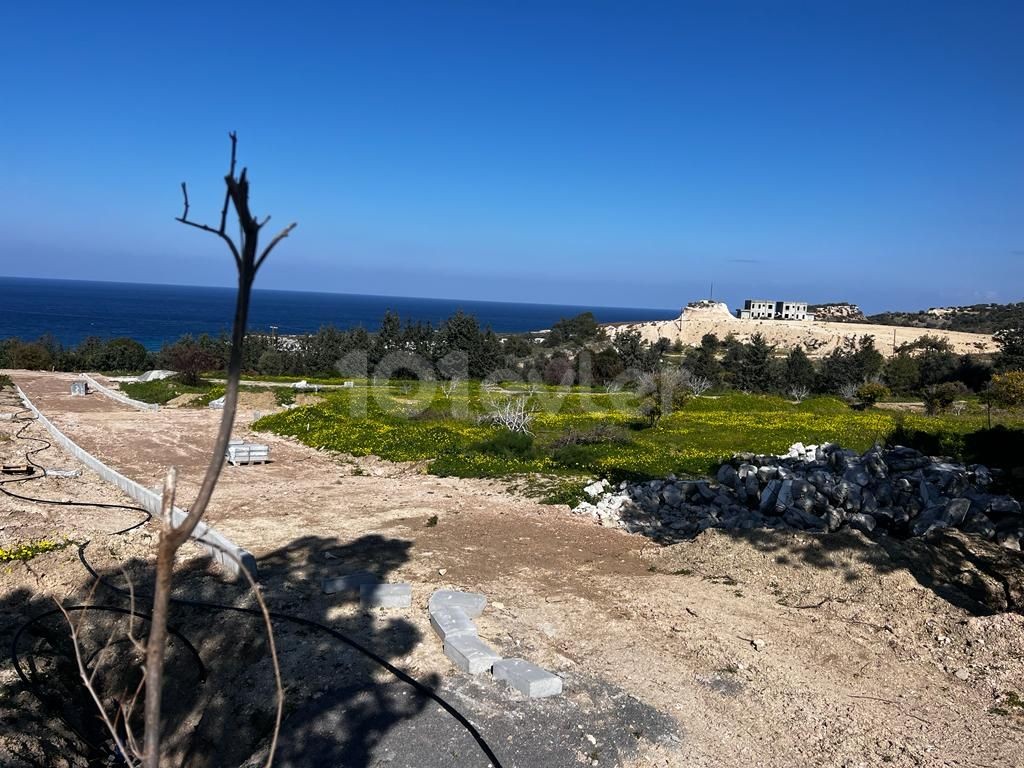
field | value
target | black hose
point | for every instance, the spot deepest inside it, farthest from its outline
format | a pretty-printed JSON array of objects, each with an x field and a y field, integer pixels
[{"x": 299, "y": 620}]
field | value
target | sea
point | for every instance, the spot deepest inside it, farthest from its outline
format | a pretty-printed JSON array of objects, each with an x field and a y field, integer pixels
[{"x": 71, "y": 310}]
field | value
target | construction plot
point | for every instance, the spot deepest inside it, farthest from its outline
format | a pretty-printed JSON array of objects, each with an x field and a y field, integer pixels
[{"x": 754, "y": 648}]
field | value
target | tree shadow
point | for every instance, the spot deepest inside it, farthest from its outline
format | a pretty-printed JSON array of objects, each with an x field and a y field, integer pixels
[{"x": 219, "y": 697}]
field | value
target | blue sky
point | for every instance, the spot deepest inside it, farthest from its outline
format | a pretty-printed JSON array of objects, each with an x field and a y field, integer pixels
[{"x": 622, "y": 153}]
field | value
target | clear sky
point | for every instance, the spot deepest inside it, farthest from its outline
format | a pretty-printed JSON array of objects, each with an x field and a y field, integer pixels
[{"x": 621, "y": 153}]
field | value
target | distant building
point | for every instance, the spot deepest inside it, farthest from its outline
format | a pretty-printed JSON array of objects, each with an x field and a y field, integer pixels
[{"x": 762, "y": 309}]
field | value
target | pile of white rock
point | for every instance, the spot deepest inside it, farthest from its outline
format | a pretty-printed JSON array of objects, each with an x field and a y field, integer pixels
[{"x": 898, "y": 491}]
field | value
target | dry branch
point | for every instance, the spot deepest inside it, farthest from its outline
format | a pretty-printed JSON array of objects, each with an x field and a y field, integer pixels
[{"x": 248, "y": 260}]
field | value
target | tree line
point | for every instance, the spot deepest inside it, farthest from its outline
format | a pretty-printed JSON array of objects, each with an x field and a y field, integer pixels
[{"x": 575, "y": 350}]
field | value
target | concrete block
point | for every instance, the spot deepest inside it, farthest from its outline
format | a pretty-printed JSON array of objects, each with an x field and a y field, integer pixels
[
  {"x": 470, "y": 654},
  {"x": 63, "y": 472},
  {"x": 449, "y": 622},
  {"x": 470, "y": 603},
  {"x": 386, "y": 595},
  {"x": 350, "y": 583},
  {"x": 529, "y": 679}
]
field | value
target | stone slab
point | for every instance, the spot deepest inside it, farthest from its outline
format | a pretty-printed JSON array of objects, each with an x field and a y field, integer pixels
[
  {"x": 529, "y": 679},
  {"x": 386, "y": 595},
  {"x": 350, "y": 583},
  {"x": 471, "y": 603},
  {"x": 470, "y": 654},
  {"x": 449, "y": 622}
]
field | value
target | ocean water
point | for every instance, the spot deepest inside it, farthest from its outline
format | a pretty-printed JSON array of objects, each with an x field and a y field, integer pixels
[{"x": 70, "y": 310}]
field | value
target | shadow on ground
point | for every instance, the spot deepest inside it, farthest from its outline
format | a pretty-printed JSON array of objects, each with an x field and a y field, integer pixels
[
  {"x": 219, "y": 702},
  {"x": 341, "y": 709}
]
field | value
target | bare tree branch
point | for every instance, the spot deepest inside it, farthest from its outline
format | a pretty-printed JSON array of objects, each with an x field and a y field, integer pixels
[
  {"x": 157, "y": 643},
  {"x": 220, "y": 233},
  {"x": 88, "y": 683},
  {"x": 277, "y": 239},
  {"x": 171, "y": 538},
  {"x": 231, "y": 172}
]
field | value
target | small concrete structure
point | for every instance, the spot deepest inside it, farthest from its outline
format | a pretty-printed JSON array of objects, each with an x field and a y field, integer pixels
[
  {"x": 79, "y": 388},
  {"x": 349, "y": 584},
  {"x": 529, "y": 679},
  {"x": 386, "y": 595},
  {"x": 247, "y": 453},
  {"x": 218, "y": 404},
  {"x": 470, "y": 654}
]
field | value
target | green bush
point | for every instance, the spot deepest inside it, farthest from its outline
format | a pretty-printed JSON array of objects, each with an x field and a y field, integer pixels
[
  {"x": 871, "y": 392},
  {"x": 601, "y": 434},
  {"x": 939, "y": 397},
  {"x": 5, "y": 381},
  {"x": 512, "y": 445}
]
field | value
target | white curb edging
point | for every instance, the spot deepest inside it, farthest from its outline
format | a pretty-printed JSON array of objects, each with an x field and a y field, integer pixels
[
  {"x": 119, "y": 396},
  {"x": 212, "y": 541}
]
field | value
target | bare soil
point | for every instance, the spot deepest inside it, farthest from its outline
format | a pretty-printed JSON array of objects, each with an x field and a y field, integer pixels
[{"x": 760, "y": 649}]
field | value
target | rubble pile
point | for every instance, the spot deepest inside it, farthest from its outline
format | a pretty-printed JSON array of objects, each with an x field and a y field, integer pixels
[{"x": 897, "y": 491}]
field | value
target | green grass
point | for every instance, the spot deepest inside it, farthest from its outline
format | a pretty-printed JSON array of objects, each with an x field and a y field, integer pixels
[
  {"x": 417, "y": 422},
  {"x": 162, "y": 391},
  {"x": 165, "y": 390}
]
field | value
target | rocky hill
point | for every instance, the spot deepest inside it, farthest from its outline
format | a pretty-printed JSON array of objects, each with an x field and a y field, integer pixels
[
  {"x": 976, "y": 318},
  {"x": 840, "y": 312},
  {"x": 817, "y": 337}
]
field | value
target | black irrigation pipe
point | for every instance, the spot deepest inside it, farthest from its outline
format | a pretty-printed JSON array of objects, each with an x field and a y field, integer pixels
[{"x": 419, "y": 687}]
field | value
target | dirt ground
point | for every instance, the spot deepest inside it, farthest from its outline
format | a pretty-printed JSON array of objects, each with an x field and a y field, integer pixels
[
  {"x": 753, "y": 649},
  {"x": 817, "y": 338}
]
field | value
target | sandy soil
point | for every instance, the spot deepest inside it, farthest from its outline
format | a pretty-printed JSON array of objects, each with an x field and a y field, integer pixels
[
  {"x": 856, "y": 662},
  {"x": 817, "y": 338}
]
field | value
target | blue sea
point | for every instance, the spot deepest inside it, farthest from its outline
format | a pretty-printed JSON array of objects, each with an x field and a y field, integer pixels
[{"x": 70, "y": 310}]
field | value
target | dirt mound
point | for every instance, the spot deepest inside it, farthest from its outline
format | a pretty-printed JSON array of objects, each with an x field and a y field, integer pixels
[{"x": 182, "y": 401}]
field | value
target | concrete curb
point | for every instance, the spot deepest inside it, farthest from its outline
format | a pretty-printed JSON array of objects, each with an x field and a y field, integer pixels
[
  {"x": 220, "y": 548},
  {"x": 451, "y": 614},
  {"x": 120, "y": 397}
]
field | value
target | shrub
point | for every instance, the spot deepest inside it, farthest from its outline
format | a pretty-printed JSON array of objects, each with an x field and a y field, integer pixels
[
  {"x": 33, "y": 357},
  {"x": 507, "y": 444},
  {"x": 1007, "y": 389},
  {"x": 661, "y": 393},
  {"x": 601, "y": 434},
  {"x": 938, "y": 397},
  {"x": 559, "y": 371},
  {"x": 5, "y": 381},
  {"x": 871, "y": 392}
]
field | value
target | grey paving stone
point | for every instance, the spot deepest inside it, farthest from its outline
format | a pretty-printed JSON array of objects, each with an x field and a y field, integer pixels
[
  {"x": 386, "y": 595},
  {"x": 349, "y": 583},
  {"x": 529, "y": 679},
  {"x": 470, "y": 654},
  {"x": 449, "y": 622},
  {"x": 471, "y": 603}
]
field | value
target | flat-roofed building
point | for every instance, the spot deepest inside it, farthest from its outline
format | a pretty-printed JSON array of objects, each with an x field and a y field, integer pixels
[{"x": 763, "y": 309}]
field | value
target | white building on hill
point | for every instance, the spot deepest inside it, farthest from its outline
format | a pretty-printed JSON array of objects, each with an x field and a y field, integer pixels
[{"x": 762, "y": 309}]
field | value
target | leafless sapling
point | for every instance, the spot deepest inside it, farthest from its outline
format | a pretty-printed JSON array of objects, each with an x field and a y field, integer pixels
[{"x": 248, "y": 260}]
